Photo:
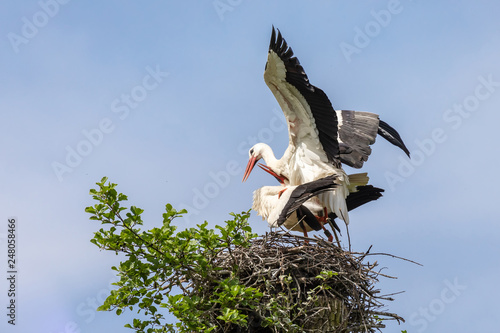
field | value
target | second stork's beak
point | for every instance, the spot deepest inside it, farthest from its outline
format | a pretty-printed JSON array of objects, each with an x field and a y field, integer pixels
[
  {"x": 250, "y": 165},
  {"x": 270, "y": 171}
]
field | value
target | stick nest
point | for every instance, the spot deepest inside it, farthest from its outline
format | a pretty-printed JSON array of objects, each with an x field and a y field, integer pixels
[{"x": 312, "y": 286}]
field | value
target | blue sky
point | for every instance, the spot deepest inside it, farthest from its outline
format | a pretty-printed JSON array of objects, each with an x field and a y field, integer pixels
[{"x": 166, "y": 98}]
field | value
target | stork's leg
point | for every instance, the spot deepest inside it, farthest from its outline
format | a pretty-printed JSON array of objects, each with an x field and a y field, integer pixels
[
  {"x": 333, "y": 229},
  {"x": 323, "y": 220}
]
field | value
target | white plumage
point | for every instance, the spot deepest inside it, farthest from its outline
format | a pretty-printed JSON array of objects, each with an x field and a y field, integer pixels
[{"x": 268, "y": 204}]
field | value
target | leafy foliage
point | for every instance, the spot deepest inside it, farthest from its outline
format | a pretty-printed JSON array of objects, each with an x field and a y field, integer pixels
[
  {"x": 227, "y": 279},
  {"x": 166, "y": 269}
]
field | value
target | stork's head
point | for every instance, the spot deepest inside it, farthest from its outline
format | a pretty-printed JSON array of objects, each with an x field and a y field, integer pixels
[{"x": 254, "y": 154}]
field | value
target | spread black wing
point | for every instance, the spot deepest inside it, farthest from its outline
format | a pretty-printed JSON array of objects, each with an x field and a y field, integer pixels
[
  {"x": 304, "y": 192},
  {"x": 321, "y": 108}
]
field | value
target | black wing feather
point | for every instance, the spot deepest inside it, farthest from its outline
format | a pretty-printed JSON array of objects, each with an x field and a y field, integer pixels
[
  {"x": 304, "y": 192},
  {"x": 306, "y": 216},
  {"x": 358, "y": 130},
  {"x": 391, "y": 135},
  {"x": 363, "y": 195}
]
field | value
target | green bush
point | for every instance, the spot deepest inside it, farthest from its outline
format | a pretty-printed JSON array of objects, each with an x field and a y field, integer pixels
[{"x": 166, "y": 269}]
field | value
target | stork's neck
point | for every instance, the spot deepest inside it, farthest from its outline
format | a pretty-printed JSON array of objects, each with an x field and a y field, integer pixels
[{"x": 270, "y": 159}]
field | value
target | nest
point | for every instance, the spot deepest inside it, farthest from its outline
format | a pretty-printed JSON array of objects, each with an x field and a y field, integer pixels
[{"x": 308, "y": 285}]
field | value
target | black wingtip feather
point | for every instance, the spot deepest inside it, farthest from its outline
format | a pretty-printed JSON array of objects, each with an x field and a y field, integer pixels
[
  {"x": 363, "y": 195},
  {"x": 333, "y": 224},
  {"x": 272, "y": 43},
  {"x": 390, "y": 134}
]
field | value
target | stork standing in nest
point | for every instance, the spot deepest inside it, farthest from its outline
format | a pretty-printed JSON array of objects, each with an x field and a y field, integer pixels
[{"x": 298, "y": 208}]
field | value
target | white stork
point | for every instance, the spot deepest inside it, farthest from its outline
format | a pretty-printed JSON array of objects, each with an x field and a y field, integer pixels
[
  {"x": 320, "y": 138},
  {"x": 294, "y": 207},
  {"x": 297, "y": 207},
  {"x": 313, "y": 150}
]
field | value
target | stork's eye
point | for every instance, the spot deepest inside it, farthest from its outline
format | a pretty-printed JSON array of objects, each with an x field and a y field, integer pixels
[{"x": 251, "y": 151}]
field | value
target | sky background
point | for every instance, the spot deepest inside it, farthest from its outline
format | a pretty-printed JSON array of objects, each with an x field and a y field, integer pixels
[{"x": 430, "y": 69}]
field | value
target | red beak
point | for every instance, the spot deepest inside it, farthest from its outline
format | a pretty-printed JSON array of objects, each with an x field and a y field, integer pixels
[
  {"x": 250, "y": 165},
  {"x": 267, "y": 169}
]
